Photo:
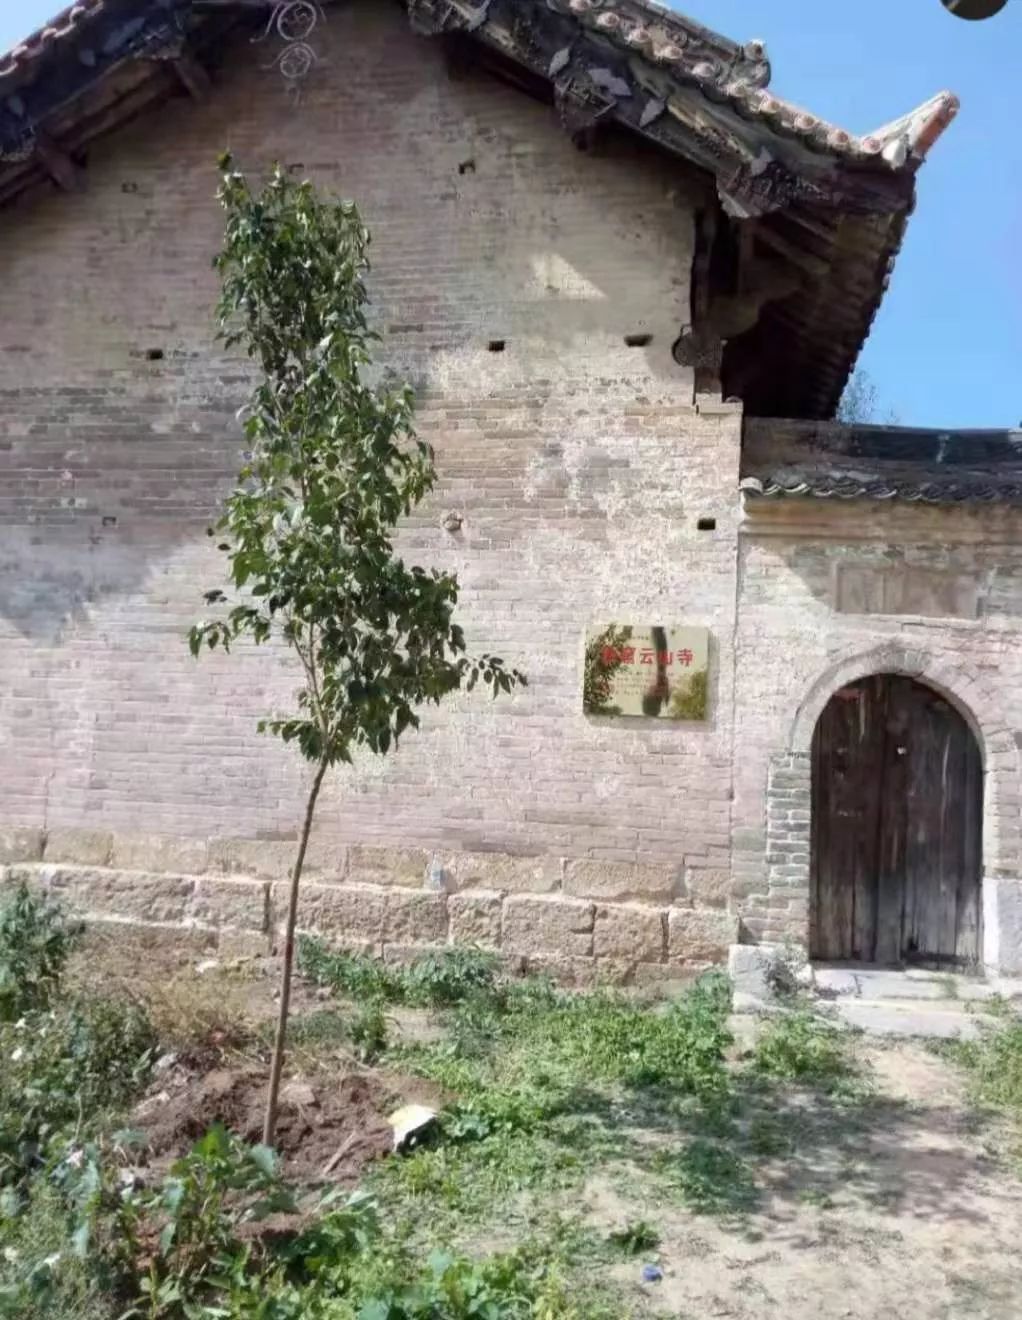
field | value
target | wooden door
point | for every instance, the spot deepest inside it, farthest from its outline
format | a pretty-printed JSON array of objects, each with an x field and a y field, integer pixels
[{"x": 896, "y": 828}]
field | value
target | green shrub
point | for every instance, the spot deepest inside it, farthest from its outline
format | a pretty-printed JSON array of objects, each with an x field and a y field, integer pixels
[
  {"x": 452, "y": 976},
  {"x": 64, "y": 1068},
  {"x": 800, "y": 1047},
  {"x": 995, "y": 1064},
  {"x": 35, "y": 941}
]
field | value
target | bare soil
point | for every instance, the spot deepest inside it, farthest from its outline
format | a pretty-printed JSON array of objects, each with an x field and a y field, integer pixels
[
  {"x": 326, "y": 1131},
  {"x": 905, "y": 1206}
]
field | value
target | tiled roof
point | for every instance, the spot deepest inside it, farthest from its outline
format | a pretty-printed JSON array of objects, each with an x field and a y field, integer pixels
[
  {"x": 828, "y": 461},
  {"x": 911, "y": 490},
  {"x": 65, "y": 25}
]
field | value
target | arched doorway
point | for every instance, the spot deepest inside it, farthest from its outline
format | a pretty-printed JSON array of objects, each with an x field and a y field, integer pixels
[{"x": 896, "y": 834}]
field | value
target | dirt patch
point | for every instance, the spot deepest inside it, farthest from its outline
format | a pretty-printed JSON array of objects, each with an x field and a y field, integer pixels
[{"x": 329, "y": 1128}]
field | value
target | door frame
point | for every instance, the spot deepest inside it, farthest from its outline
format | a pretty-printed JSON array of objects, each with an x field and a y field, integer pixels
[
  {"x": 789, "y": 795},
  {"x": 865, "y": 868}
]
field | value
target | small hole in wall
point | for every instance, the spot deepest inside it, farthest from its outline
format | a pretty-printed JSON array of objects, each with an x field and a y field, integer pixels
[
  {"x": 129, "y": 187},
  {"x": 109, "y": 520},
  {"x": 707, "y": 525},
  {"x": 295, "y": 166},
  {"x": 497, "y": 345},
  {"x": 638, "y": 341},
  {"x": 467, "y": 167},
  {"x": 154, "y": 355}
]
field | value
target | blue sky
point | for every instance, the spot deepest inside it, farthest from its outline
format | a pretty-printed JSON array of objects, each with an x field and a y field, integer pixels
[{"x": 946, "y": 349}]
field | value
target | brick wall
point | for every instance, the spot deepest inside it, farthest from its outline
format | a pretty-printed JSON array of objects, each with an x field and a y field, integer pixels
[
  {"x": 796, "y": 646},
  {"x": 579, "y": 466}
]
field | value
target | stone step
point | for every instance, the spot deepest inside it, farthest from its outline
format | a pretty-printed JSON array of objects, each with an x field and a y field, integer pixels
[{"x": 946, "y": 1019}]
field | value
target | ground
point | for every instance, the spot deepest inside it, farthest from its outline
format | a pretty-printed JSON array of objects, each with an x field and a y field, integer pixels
[{"x": 844, "y": 1176}]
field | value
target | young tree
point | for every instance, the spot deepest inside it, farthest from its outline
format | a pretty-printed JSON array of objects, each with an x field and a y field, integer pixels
[{"x": 308, "y": 529}]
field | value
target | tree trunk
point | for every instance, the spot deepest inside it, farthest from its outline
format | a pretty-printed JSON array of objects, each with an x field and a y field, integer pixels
[{"x": 270, "y": 1121}]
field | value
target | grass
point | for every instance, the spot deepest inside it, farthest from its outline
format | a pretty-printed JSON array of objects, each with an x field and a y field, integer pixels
[
  {"x": 994, "y": 1066},
  {"x": 549, "y": 1095}
]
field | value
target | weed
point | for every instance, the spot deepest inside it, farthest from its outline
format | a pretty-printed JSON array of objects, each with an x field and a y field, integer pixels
[
  {"x": 709, "y": 1178},
  {"x": 368, "y": 1031},
  {"x": 800, "y": 1047},
  {"x": 994, "y": 1063},
  {"x": 350, "y": 974},
  {"x": 36, "y": 939},
  {"x": 452, "y": 976},
  {"x": 768, "y": 1137},
  {"x": 635, "y": 1238}
]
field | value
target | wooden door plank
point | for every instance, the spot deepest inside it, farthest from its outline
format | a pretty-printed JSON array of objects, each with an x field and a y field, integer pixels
[{"x": 893, "y": 827}]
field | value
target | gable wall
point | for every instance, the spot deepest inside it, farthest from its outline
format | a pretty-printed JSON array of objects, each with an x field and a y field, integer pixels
[{"x": 579, "y": 466}]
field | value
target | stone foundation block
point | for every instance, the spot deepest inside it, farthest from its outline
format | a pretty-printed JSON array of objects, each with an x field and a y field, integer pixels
[
  {"x": 266, "y": 859},
  {"x": 233, "y": 944},
  {"x": 750, "y": 967},
  {"x": 82, "y": 847},
  {"x": 630, "y": 932},
  {"x": 548, "y": 925},
  {"x": 368, "y": 864},
  {"x": 242, "y": 904},
  {"x": 158, "y": 852},
  {"x": 475, "y": 918},
  {"x": 414, "y": 917},
  {"x": 20, "y": 845},
  {"x": 708, "y": 889},
  {"x": 621, "y": 881},
  {"x": 350, "y": 912},
  {"x": 500, "y": 871},
  {"x": 700, "y": 937},
  {"x": 130, "y": 895},
  {"x": 566, "y": 969}
]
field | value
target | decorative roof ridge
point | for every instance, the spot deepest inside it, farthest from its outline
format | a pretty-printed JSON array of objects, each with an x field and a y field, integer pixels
[{"x": 58, "y": 28}]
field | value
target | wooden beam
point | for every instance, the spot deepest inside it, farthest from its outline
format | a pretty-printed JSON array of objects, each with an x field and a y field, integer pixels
[
  {"x": 58, "y": 164},
  {"x": 814, "y": 266},
  {"x": 192, "y": 74}
]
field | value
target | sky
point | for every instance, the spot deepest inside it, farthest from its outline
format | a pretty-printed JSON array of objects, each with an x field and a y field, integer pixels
[{"x": 946, "y": 348}]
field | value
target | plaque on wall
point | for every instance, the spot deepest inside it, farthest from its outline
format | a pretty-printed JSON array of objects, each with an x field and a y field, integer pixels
[{"x": 647, "y": 671}]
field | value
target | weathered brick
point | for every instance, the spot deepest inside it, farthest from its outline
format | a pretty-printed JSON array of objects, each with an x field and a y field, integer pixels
[
  {"x": 20, "y": 845},
  {"x": 501, "y": 871},
  {"x": 629, "y": 932},
  {"x": 616, "y": 881},
  {"x": 133, "y": 895},
  {"x": 700, "y": 937},
  {"x": 475, "y": 918},
  {"x": 84, "y": 847},
  {"x": 158, "y": 852},
  {"x": 379, "y": 865},
  {"x": 543, "y": 925},
  {"x": 222, "y": 902}
]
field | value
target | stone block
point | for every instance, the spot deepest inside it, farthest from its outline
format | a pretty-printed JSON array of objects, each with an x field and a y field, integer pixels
[
  {"x": 700, "y": 937},
  {"x": 629, "y": 932},
  {"x": 370, "y": 864},
  {"x": 20, "y": 845},
  {"x": 750, "y": 967},
  {"x": 243, "y": 904},
  {"x": 236, "y": 944},
  {"x": 345, "y": 912},
  {"x": 81, "y": 847},
  {"x": 158, "y": 852},
  {"x": 566, "y": 969},
  {"x": 501, "y": 871},
  {"x": 475, "y": 918},
  {"x": 404, "y": 955},
  {"x": 708, "y": 888},
  {"x": 543, "y": 925},
  {"x": 265, "y": 859},
  {"x": 621, "y": 881},
  {"x": 412, "y": 917},
  {"x": 130, "y": 895}
]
